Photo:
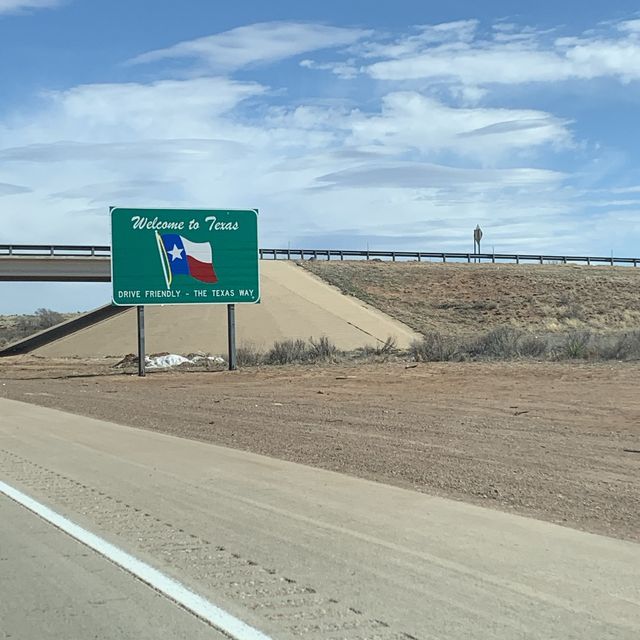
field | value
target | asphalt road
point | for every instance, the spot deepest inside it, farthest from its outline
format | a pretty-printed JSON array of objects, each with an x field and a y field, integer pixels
[
  {"x": 51, "y": 586},
  {"x": 301, "y": 552}
]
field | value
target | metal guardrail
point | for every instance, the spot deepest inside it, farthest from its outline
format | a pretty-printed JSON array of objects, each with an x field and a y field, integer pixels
[
  {"x": 328, "y": 254},
  {"x": 56, "y": 250},
  {"x": 103, "y": 251}
]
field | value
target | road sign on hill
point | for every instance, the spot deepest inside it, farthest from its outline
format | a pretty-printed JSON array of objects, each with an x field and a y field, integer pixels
[{"x": 184, "y": 256}]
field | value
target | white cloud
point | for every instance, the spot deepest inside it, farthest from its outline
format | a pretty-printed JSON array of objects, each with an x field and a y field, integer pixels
[
  {"x": 346, "y": 70},
  {"x": 477, "y": 66},
  {"x": 630, "y": 25},
  {"x": 423, "y": 36},
  {"x": 409, "y": 121},
  {"x": 128, "y": 113},
  {"x": 16, "y": 6},
  {"x": 424, "y": 175},
  {"x": 509, "y": 56},
  {"x": 254, "y": 44}
]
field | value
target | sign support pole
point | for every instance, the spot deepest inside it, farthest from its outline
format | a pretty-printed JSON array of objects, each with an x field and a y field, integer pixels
[
  {"x": 141, "y": 353},
  {"x": 231, "y": 328}
]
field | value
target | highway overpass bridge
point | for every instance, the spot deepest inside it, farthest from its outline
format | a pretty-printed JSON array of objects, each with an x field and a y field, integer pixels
[{"x": 92, "y": 263}]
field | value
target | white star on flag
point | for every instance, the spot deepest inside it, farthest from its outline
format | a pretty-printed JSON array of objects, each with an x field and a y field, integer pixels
[{"x": 175, "y": 253}]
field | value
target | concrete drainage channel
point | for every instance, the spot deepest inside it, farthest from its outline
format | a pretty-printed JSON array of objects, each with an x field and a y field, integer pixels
[{"x": 274, "y": 603}]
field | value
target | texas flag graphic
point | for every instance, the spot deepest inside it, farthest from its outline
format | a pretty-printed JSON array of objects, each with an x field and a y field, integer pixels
[{"x": 183, "y": 257}]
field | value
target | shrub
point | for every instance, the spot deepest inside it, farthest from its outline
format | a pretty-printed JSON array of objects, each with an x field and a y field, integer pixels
[
  {"x": 434, "y": 347},
  {"x": 27, "y": 325},
  {"x": 321, "y": 349},
  {"x": 46, "y": 318},
  {"x": 501, "y": 342},
  {"x": 248, "y": 356},
  {"x": 380, "y": 351},
  {"x": 576, "y": 344},
  {"x": 625, "y": 346},
  {"x": 288, "y": 352},
  {"x": 300, "y": 351},
  {"x": 533, "y": 347},
  {"x": 628, "y": 346},
  {"x": 386, "y": 348}
]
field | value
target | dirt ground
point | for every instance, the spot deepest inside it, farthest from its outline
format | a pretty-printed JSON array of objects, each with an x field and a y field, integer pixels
[
  {"x": 472, "y": 298},
  {"x": 556, "y": 441}
]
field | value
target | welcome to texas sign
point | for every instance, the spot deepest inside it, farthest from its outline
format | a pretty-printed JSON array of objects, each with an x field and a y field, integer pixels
[{"x": 184, "y": 256}]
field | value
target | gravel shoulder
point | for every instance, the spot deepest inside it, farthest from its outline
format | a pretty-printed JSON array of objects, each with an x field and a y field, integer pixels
[{"x": 555, "y": 441}]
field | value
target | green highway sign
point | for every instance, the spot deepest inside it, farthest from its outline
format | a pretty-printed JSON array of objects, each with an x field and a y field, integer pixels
[{"x": 184, "y": 256}]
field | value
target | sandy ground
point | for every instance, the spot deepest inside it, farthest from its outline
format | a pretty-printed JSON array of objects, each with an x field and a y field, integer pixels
[{"x": 552, "y": 440}]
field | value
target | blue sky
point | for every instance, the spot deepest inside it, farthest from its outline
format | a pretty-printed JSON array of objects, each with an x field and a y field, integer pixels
[{"x": 389, "y": 124}]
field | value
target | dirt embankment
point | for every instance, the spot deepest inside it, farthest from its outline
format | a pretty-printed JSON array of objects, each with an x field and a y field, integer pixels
[
  {"x": 555, "y": 441},
  {"x": 469, "y": 299}
]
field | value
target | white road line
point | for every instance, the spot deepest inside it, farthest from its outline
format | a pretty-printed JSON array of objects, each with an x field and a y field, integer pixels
[{"x": 171, "y": 588}]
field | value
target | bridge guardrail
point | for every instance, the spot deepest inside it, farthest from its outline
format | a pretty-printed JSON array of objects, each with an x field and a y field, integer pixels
[
  {"x": 104, "y": 251},
  {"x": 56, "y": 250}
]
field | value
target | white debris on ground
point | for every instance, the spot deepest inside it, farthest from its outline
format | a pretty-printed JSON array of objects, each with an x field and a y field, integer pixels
[
  {"x": 164, "y": 362},
  {"x": 212, "y": 359},
  {"x": 175, "y": 360},
  {"x": 170, "y": 360}
]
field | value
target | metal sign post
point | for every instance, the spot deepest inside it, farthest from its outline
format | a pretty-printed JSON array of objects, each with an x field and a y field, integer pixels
[
  {"x": 141, "y": 349},
  {"x": 231, "y": 328}
]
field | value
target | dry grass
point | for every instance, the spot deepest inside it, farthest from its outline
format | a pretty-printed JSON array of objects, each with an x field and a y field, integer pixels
[
  {"x": 500, "y": 343},
  {"x": 462, "y": 299}
]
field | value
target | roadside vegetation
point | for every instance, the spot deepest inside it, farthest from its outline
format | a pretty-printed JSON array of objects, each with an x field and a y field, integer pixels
[
  {"x": 508, "y": 343},
  {"x": 501, "y": 343},
  {"x": 20, "y": 326}
]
